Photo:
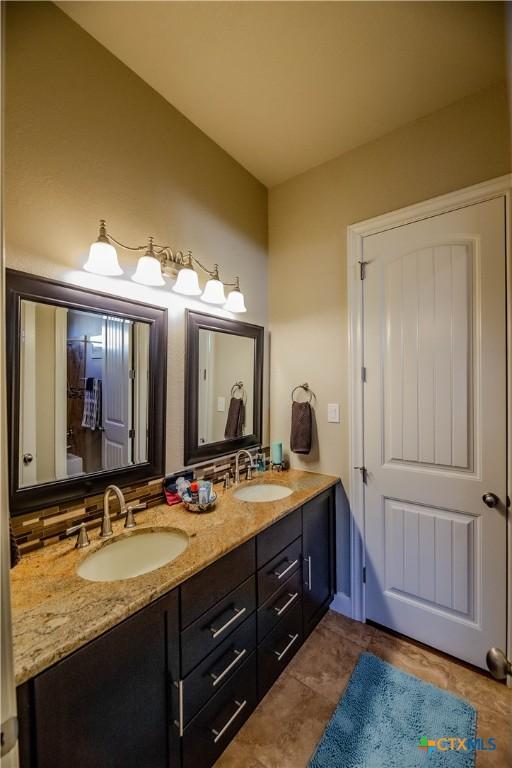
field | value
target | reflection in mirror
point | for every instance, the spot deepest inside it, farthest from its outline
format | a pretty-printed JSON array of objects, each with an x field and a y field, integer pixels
[
  {"x": 83, "y": 393},
  {"x": 225, "y": 386}
]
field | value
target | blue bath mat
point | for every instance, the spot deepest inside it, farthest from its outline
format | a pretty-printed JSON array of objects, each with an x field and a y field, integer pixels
[{"x": 386, "y": 715}]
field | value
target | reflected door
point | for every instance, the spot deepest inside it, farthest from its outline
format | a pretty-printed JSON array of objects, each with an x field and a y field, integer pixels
[
  {"x": 28, "y": 448},
  {"x": 117, "y": 395},
  {"x": 435, "y": 434}
]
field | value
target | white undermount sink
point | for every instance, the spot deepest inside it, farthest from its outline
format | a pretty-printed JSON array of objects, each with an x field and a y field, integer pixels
[
  {"x": 262, "y": 492},
  {"x": 132, "y": 555}
]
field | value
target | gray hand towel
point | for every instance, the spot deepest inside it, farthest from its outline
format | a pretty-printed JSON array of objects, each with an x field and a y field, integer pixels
[
  {"x": 236, "y": 418},
  {"x": 300, "y": 437}
]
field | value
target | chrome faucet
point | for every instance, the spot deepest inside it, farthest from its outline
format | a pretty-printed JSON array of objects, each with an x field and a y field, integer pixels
[
  {"x": 106, "y": 524},
  {"x": 237, "y": 466}
]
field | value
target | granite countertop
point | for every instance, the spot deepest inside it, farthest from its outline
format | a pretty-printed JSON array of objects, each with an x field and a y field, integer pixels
[{"x": 55, "y": 612}]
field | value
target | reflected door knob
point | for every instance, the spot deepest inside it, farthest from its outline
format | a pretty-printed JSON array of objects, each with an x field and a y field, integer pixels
[
  {"x": 27, "y": 458},
  {"x": 490, "y": 499}
]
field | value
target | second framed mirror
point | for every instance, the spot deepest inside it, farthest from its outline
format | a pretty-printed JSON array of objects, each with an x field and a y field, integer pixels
[{"x": 223, "y": 386}]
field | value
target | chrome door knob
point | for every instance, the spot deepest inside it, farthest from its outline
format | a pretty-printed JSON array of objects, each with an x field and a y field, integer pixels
[
  {"x": 490, "y": 499},
  {"x": 27, "y": 458}
]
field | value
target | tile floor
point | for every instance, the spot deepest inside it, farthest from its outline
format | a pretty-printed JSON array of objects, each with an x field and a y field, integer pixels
[{"x": 285, "y": 728}]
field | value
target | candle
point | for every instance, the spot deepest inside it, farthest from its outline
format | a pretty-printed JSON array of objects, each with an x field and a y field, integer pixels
[{"x": 276, "y": 453}]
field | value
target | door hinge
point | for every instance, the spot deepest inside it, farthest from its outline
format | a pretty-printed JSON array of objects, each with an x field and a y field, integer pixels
[
  {"x": 131, "y": 433},
  {"x": 363, "y": 373},
  {"x": 131, "y": 373},
  {"x": 364, "y": 574},
  {"x": 364, "y": 474},
  {"x": 362, "y": 269}
]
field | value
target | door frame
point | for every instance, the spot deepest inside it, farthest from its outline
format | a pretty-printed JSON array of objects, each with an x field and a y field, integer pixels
[{"x": 478, "y": 193}]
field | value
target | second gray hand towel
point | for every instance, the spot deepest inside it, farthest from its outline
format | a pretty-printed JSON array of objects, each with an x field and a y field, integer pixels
[{"x": 302, "y": 422}]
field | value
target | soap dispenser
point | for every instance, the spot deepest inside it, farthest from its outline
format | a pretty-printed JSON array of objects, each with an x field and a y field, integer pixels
[{"x": 260, "y": 461}]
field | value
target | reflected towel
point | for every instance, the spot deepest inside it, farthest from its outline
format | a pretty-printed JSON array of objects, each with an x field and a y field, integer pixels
[
  {"x": 236, "y": 418},
  {"x": 92, "y": 418},
  {"x": 300, "y": 437}
]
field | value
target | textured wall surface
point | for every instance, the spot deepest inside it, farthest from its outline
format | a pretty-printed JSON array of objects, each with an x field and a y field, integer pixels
[{"x": 85, "y": 139}]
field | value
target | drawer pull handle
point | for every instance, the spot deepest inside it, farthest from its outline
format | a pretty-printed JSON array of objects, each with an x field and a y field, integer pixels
[
  {"x": 219, "y": 734},
  {"x": 285, "y": 651},
  {"x": 238, "y": 612},
  {"x": 280, "y": 574},
  {"x": 283, "y": 608},
  {"x": 238, "y": 658},
  {"x": 308, "y": 559}
]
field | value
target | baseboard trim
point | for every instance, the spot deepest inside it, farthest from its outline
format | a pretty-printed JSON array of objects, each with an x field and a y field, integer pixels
[{"x": 342, "y": 603}]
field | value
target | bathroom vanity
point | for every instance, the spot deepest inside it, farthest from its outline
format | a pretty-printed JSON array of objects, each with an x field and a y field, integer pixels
[{"x": 171, "y": 683}]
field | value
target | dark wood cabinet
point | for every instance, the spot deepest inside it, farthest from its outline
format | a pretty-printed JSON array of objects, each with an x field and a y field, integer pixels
[
  {"x": 170, "y": 686},
  {"x": 210, "y": 629},
  {"x": 106, "y": 704},
  {"x": 318, "y": 564}
]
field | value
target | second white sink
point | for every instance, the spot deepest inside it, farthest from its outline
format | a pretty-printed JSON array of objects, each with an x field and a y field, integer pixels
[
  {"x": 132, "y": 555},
  {"x": 262, "y": 492}
]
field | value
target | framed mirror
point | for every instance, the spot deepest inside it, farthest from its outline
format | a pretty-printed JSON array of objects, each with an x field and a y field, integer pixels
[
  {"x": 223, "y": 386},
  {"x": 87, "y": 382}
]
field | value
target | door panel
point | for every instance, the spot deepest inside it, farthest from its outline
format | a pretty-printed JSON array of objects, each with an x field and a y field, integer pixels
[
  {"x": 117, "y": 393},
  {"x": 435, "y": 429}
]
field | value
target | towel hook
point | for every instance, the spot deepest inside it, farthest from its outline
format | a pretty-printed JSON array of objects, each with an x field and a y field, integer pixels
[
  {"x": 238, "y": 386},
  {"x": 307, "y": 389}
]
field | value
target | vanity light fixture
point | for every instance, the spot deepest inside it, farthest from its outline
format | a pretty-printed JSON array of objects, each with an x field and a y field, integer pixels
[
  {"x": 214, "y": 289},
  {"x": 159, "y": 260},
  {"x": 149, "y": 271},
  {"x": 103, "y": 256},
  {"x": 235, "y": 302},
  {"x": 187, "y": 282}
]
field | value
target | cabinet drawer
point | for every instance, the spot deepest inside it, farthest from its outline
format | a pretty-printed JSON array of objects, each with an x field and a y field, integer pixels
[
  {"x": 211, "y": 629},
  {"x": 212, "y": 729},
  {"x": 218, "y": 668},
  {"x": 278, "y": 648},
  {"x": 277, "y": 537},
  {"x": 280, "y": 604},
  {"x": 273, "y": 575},
  {"x": 206, "y": 588}
]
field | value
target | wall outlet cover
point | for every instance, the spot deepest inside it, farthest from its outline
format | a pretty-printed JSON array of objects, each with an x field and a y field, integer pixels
[{"x": 221, "y": 404}]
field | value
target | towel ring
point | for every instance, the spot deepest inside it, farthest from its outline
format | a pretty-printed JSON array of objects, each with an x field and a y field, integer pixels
[
  {"x": 238, "y": 386},
  {"x": 306, "y": 389}
]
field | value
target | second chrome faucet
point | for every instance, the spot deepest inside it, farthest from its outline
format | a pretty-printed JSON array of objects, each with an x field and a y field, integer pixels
[{"x": 106, "y": 523}]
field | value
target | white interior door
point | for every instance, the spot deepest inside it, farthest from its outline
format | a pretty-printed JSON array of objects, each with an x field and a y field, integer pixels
[
  {"x": 117, "y": 393},
  {"x": 435, "y": 429}
]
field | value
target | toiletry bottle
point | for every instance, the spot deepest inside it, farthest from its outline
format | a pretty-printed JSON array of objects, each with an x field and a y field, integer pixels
[
  {"x": 194, "y": 492},
  {"x": 260, "y": 461}
]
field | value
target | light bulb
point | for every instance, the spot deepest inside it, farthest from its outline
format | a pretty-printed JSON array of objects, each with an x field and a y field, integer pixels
[
  {"x": 214, "y": 292},
  {"x": 148, "y": 272},
  {"x": 235, "y": 302},
  {"x": 103, "y": 260},
  {"x": 187, "y": 283}
]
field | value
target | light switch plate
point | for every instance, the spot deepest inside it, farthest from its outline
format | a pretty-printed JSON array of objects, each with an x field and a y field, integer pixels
[
  {"x": 221, "y": 404},
  {"x": 333, "y": 413}
]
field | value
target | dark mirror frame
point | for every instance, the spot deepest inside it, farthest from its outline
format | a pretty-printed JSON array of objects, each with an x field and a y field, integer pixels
[
  {"x": 21, "y": 285},
  {"x": 196, "y": 321}
]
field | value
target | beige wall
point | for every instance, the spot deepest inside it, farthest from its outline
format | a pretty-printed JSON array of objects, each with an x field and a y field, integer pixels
[
  {"x": 234, "y": 361},
  {"x": 87, "y": 139},
  {"x": 461, "y": 145}
]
